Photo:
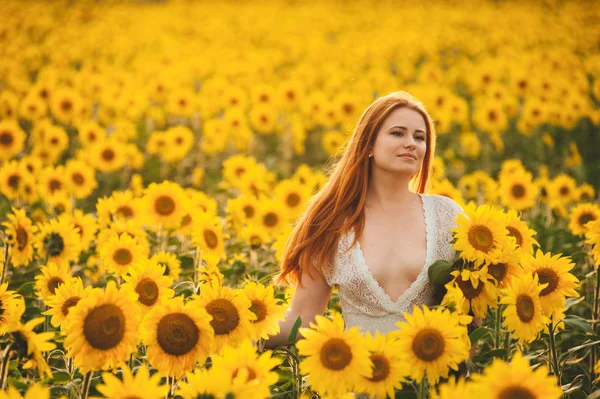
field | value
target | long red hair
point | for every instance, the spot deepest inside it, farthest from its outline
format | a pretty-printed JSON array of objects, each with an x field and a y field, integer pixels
[{"x": 339, "y": 205}]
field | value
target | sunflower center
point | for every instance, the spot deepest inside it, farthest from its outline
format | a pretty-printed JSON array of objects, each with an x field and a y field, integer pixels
[
  {"x": 513, "y": 232},
  {"x": 586, "y": 218},
  {"x": 211, "y": 239},
  {"x": 248, "y": 211},
  {"x": 164, "y": 205},
  {"x": 6, "y": 138},
  {"x": 498, "y": 271},
  {"x": 225, "y": 316},
  {"x": 259, "y": 309},
  {"x": 271, "y": 219},
  {"x": 381, "y": 367},
  {"x": 54, "y": 244},
  {"x": 428, "y": 344},
  {"x": 122, "y": 256},
  {"x": 53, "y": 284},
  {"x": 177, "y": 334},
  {"x": 22, "y": 238},
  {"x": 69, "y": 303},
  {"x": 516, "y": 392},
  {"x": 255, "y": 241},
  {"x": 549, "y": 276},
  {"x": 124, "y": 211},
  {"x": 108, "y": 154},
  {"x": 78, "y": 179},
  {"x": 104, "y": 326},
  {"x": 66, "y": 105},
  {"x": 239, "y": 171},
  {"x": 336, "y": 354},
  {"x": 293, "y": 200},
  {"x": 147, "y": 291},
  {"x": 13, "y": 181},
  {"x": 481, "y": 238},
  {"x": 518, "y": 191},
  {"x": 54, "y": 185},
  {"x": 564, "y": 190},
  {"x": 525, "y": 308},
  {"x": 249, "y": 373},
  {"x": 492, "y": 116},
  {"x": 467, "y": 288},
  {"x": 186, "y": 220},
  {"x": 79, "y": 229}
]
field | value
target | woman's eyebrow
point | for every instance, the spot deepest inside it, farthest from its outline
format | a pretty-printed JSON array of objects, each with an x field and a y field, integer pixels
[{"x": 405, "y": 128}]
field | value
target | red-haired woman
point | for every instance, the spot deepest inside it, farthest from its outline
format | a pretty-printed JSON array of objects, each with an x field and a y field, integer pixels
[{"x": 371, "y": 230}]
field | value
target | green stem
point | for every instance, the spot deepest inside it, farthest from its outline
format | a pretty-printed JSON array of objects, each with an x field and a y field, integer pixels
[
  {"x": 507, "y": 345},
  {"x": 554, "y": 353},
  {"x": 498, "y": 321},
  {"x": 422, "y": 390},
  {"x": 87, "y": 383},
  {"x": 6, "y": 355}
]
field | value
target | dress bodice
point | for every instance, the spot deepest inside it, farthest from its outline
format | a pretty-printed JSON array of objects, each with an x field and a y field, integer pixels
[{"x": 364, "y": 303}]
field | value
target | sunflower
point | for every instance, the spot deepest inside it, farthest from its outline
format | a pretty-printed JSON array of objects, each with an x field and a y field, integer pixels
[
  {"x": 130, "y": 227},
  {"x": 335, "y": 359},
  {"x": 586, "y": 192},
  {"x": 266, "y": 308},
  {"x": 11, "y": 308},
  {"x": 523, "y": 314},
  {"x": 164, "y": 204},
  {"x": 205, "y": 383},
  {"x": 293, "y": 196},
  {"x": 207, "y": 234},
  {"x": 242, "y": 366},
  {"x": 129, "y": 386},
  {"x": 333, "y": 142},
  {"x": 243, "y": 209},
  {"x": 30, "y": 345},
  {"x": 146, "y": 278},
  {"x": 432, "y": 342},
  {"x": 263, "y": 118},
  {"x": 272, "y": 216},
  {"x": 33, "y": 108},
  {"x": 388, "y": 370},
  {"x": 445, "y": 188},
  {"x": 515, "y": 380},
  {"x": 84, "y": 223},
  {"x": 451, "y": 389},
  {"x": 51, "y": 277},
  {"x": 101, "y": 330},
  {"x": 479, "y": 292},
  {"x": 170, "y": 262},
  {"x": 52, "y": 180},
  {"x": 120, "y": 252},
  {"x": 481, "y": 235},
  {"x": 57, "y": 241},
  {"x": 12, "y": 175},
  {"x": 521, "y": 232},
  {"x": 554, "y": 271},
  {"x": 255, "y": 236},
  {"x": 123, "y": 205},
  {"x": 36, "y": 391},
  {"x": 490, "y": 117},
  {"x": 12, "y": 139},
  {"x": 19, "y": 233},
  {"x": 518, "y": 191},
  {"x": 90, "y": 132},
  {"x": 562, "y": 190},
  {"x": 81, "y": 179},
  {"x": 593, "y": 238},
  {"x": 56, "y": 140},
  {"x": 60, "y": 202},
  {"x": 581, "y": 215},
  {"x": 180, "y": 142},
  {"x": 65, "y": 105},
  {"x": 107, "y": 155},
  {"x": 230, "y": 312},
  {"x": 236, "y": 168},
  {"x": 178, "y": 336},
  {"x": 65, "y": 296}
]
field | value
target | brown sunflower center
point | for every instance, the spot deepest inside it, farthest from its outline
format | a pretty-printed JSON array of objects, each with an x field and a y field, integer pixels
[
  {"x": 72, "y": 301},
  {"x": 164, "y": 205},
  {"x": 336, "y": 354},
  {"x": 428, "y": 344},
  {"x": 108, "y": 154},
  {"x": 547, "y": 275},
  {"x": 259, "y": 309},
  {"x": 498, "y": 271},
  {"x": 564, "y": 190},
  {"x": 525, "y": 308},
  {"x": 514, "y": 232},
  {"x": 54, "y": 244},
  {"x": 467, "y": 288},
  {"x": 293, "y": 200},
  {"x": 147, "y": 291},
  {"x": 66, "y": 105},
  {"x": 22, "y": 238},
  {"x": 104, "y": 326},
  {"x": 13, "y": 181},
  {"x": 122, "y": 256},
  {"x": 381, "y": 367},
  {"x": 271, "y": 219},
  {"x": 492, "y": 116},
  {"x": 177, "y": 334},
  {"x": 54, "y": 185},
  {"x": 53, "y": 284},
  {"x": 516, "y": 392},
  {"x": 225, "y": 316},
  {"x": 124, "y": 211},
  {"x": 239, "y": 171},
  {"x": 249, "y": 211},
  {"x": 186, "y": 220},
  {"x": 255, "y": 241},
  {"x": 481, "y": 238},
  {"x": 6, "y": 138},
  {"x": 586, "y": 218},
  {"x": 211, "y": 239},
  {"x": 250, "y": 373},
  {"x": 78, "y": 178},
  {"x": 518, "y": 191}
]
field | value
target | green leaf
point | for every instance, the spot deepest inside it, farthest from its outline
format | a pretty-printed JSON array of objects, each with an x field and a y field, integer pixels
[
  {"x": 294, "y": 332},
  {"x": 61, "y": 377},
  {"x": 584, "y": 345},
  {"x": 573, "y": 322},
  {"x": 477, "y": 334},
  {"x": 439, "y": 272}
]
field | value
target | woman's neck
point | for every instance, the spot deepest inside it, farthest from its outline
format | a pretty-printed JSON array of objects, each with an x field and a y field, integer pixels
[{"x": 388, "y": 191}]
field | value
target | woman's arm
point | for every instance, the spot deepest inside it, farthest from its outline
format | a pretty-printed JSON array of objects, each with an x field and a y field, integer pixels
[{"x": 309, "y": 300}]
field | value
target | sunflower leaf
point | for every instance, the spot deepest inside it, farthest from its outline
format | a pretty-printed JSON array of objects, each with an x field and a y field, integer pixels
[
  {"x": 294, "y": 332},
  {"x": 477, "y": 334},
  {"x": 578, "y": 323},
  {"x": 439, "y": 272}
]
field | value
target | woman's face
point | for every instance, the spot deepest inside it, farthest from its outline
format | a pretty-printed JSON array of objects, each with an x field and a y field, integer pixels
[{"x": 401, "y": 142}]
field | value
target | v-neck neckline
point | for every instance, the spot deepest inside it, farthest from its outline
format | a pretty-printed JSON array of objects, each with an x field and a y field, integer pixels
[{"x": 374, "y": 284}]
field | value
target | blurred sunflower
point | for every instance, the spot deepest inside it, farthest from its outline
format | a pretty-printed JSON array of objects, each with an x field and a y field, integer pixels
[
  {"x": 480, "y": 294},
  {"x": 293, "y": 196},
  {"x": 131, "y": 228},
  {"x": 164, "y": 204},
  {"x": 170, "y": 262},
  {"x": 146, "y": 278},
  {"x": 65, "y": 105},
  {"x": 31, "y": 345},
  {"x": 236, "y": 168},
  {"x": 33, "y": 108},
  {"x": 263, "y": 119},
  {"x": 334, "y": 359},
  {"x": 203, "y": 383},
  {"x": 119, "y": 253},
  {"x": 254, "y": 235},
  {"x": 266, "y": 308},
  {"x": 593, "y": 238},
  {"x": 101, "y": 330},
  {"x": 181, "y": 141},
  {"x": 178, "y": 336},
  {"x": 85, "y": 224},
  {"x": 57, "y": 241},
  {"x": 50, "y": 278},
  {"x": 553, "y": 271},
  {"x": 35, "y": 391},
  {"x": 445, "y": 188},
  {"x": 12, "y": 139},
  {"x": 129, "y": 386},
  {"x": 123, "y": 205},
  {"x": 518, "y": 191},
  {"x": 582, "y": 214},
  {"x": 243, "y": 209},
  {"x": 271, "y": 216},
  {"x": 515, "y": 380},
  {"x": 11, "y": 308},
  {"x": 12, "y": 174},
  {"x": 65, "y": 296},
  {"x": 230, "y": 312},
  {"x": 20, "y": 235},
  {"x": 107, "y": 155},
  {"x": 586, "y": 192},
  {"x": 207, "y": 234},
  {"x": 90, "y": 132},
  {"x": 521, "y": 232},
  {"x": 52, "y": 180},
  {"x": 333, "y": 142},
  {"x": 562, "y": 190},
  {"x": 523, "y": 315},
  {"x": 80, "y": 178}
]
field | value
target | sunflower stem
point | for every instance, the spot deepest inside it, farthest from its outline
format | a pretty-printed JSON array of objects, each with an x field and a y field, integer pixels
[
  {"x": 507, "y": 345},
  {"x": 422, "y": 389},
  {"x": 498, "y": 321},
  {"x": 595, "y": 314},
  {"x": 87, "y": 383},
  {"x": 553, "y": 352},
  {"x": 6, "y": 355}
]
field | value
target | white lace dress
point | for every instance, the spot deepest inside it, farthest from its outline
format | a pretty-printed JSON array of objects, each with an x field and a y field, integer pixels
[{"x": 364, "y": 303}]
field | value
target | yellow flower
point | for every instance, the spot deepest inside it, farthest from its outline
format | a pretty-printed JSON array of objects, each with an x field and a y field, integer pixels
[
  {"x": 335, "y": 358},
  {"x": 293, "y": 196},
  {"x": 243, "y": 209},
  {"x": 107, "y": 155},
  {"x": 81, "y": 178},
  {"x": 255, "y": 236},
  {"x": 65, "y": 296},
  {"x": 582, "y": 214},
  {"x": 593, "y": 238},
  {"x": 518, "y": 191},
  {"x": 33, "y": 344},
  {"x": 170, "y": 263},
  {"x": 562, "y": 190},
  {"x": 20, "y": 235},
  {"x": 120, "y": 252},
  {"x": 164, "y": 204},
  {"x": 12, "y": 139},
  {"x": 266, "y": 308},
  {"x": 90, "y": 132},
  {"x": 207, "y": 383},
  {"x": 52, "y": 180},
  {"x": 36, "y": 391},
  {"x": 58, "y": 241},
  {"x": 521, "y": 232},
  {"x": 131, "y": 385},
  {"x": 207, "y": 234},
  {"x": 263, "y": 118},
  {"x": 477, "y": 289},
  {"x": 65, "y": 105},
  {"x": 146, "y": 278},
  {"x": 85, "y": 224},
  {"x": 272, "y": 216},
  {"x": 11, "y": 308},
  {"x": 51, "y": 277},
  {"x": 333, "y": 142},
  {"x": 445, "y": 188}
]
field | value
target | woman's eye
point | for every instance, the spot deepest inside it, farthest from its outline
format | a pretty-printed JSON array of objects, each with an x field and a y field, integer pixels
[{"x": 421, "y": 138}]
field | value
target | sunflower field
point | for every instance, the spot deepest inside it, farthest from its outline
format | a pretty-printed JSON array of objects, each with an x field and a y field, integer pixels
[{"x": 154, "y": 156}]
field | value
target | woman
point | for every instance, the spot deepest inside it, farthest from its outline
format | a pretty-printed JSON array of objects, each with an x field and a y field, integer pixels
[{"x": 371, "y": 231}]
